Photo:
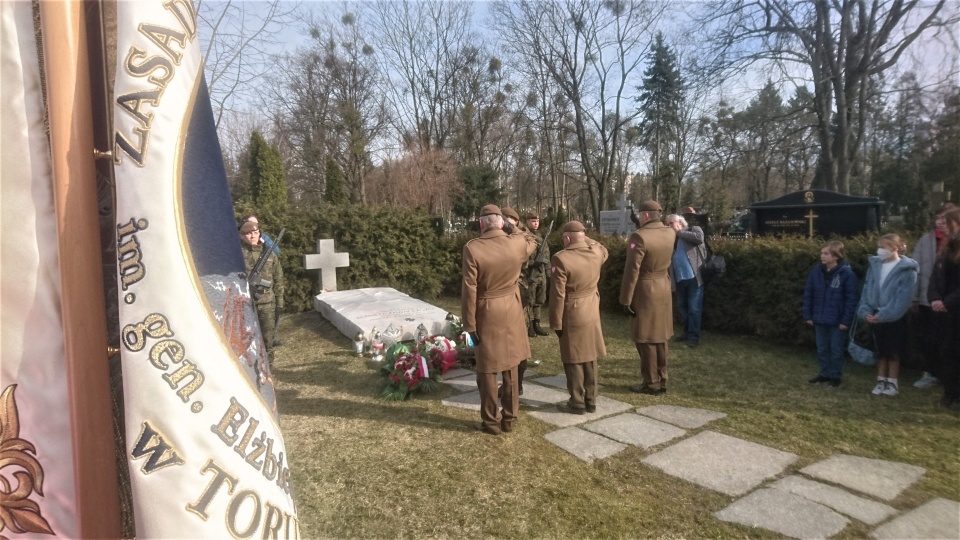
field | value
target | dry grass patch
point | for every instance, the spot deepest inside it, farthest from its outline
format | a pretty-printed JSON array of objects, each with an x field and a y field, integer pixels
[{"x": 363, "y": 468}]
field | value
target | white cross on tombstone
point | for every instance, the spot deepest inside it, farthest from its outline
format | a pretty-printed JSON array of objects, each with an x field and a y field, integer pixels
[
  {"x": 327, "y": 261},
  {"x": 624, "y": 216}
]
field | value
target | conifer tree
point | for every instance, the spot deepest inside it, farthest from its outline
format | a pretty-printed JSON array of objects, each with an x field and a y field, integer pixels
[
  {"x": 333, "y": 192},
  {"x": 268, "y": 185},
  {"x": 659, "y": 105}
]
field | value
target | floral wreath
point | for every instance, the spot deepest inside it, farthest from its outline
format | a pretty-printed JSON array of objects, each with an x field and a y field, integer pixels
[{"x": 419, "y": 369}]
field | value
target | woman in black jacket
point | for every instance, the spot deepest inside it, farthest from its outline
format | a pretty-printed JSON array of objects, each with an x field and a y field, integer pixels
[{"x": 944, "y": 297}]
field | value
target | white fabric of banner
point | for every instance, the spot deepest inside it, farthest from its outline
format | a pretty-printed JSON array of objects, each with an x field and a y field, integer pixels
[
  {"x": 206, "y": 455},
  {"x": 33, "y": 373}
]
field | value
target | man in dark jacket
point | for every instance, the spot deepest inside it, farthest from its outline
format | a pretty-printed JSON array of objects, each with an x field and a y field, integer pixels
[{"x": 686, "y": 279}]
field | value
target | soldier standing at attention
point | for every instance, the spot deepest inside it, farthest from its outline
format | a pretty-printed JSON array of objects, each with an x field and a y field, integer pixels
[
  {"x": 266, "y": 299},
  {"x": 534, "y": 285},
  {"x": 493, "y": 315},
  {"x": 510, "y": 216},
  {"x": 645, "y": 296},
  {"x": 575, "y": 314}
]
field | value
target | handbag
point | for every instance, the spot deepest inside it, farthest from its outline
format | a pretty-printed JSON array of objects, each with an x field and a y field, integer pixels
[
  {"x": 862, "y": 346},
  {"x": 714, "y": 266}
]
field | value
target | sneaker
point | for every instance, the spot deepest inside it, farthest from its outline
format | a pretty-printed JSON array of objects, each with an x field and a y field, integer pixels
[
  {"x": 833, "y": 383},
  {"x": 818, "y": 379},
  {"x": 878, "y": 389},
  {"x": 890, "y": 389},
  {"x": 927, "y": 381}
]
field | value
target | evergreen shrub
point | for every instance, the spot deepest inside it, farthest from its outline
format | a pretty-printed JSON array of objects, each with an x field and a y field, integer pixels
[{"x": 762, "y": 291}]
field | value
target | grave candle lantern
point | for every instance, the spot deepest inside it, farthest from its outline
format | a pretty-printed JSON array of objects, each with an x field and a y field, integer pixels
[
  {"x": 358, "y": 342},
  {"x": 376, "y": 346},
  {"x": 421, "y": 333}
]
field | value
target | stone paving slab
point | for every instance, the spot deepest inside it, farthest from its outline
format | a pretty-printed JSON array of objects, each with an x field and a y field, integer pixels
[
  {"x": 634, "y": 429},
  {"x": 535, "y": 395},
  {"x": 882, "y": 479},
  {"x": 865, "y": 510},
  {"x": 560, "y": 381},
  {"x": 462, "y": 384},
  {"x": 583, "y": 444},
  {"x": 458, "y": 372},
  {"x": 939, "y": 518},
  {"x": 784, "y": 513},
  {"x": 605, "y": 407},
  {"x": 685, "y": 417},
  {"x": 469, "y": 400},
  {"x": 720, "y": 462}
]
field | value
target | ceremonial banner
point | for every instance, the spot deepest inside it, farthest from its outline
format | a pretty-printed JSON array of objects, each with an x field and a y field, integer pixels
[
  {"x": 56, "y": 441},
  {"x": 206, "y": 456}
]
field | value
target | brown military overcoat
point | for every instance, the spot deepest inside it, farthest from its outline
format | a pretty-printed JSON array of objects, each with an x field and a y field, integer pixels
[
  {"x": 490, "y": 298},
  {"x": 575, "y": 301},
  {"x": 646, "y": 285}
]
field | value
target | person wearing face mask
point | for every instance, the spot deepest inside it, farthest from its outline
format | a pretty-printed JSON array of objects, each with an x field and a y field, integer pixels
[
  {"x": 928, "y": 331},
  {"x": 887, "y": 294},
  {"x": 944, "y": 297}
]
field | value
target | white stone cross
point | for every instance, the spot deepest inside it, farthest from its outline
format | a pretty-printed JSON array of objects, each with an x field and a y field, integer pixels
[
  {"x": 327, "y": 261},
  {"x": 622, "y": 205}
]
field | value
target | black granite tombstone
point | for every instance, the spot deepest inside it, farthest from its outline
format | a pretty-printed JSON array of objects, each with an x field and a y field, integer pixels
[{"x": 816, "y": 212}]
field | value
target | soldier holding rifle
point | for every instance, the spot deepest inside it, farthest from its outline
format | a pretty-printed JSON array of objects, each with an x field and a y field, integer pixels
[
  {"x": 265, "y": 277},
  {"x": 533, "y": 283}
]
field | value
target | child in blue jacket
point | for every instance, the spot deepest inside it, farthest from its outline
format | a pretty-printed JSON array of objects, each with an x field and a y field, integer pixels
[
  {"x": 829, "y": 305},
  {"x": 887, "y": 293}
]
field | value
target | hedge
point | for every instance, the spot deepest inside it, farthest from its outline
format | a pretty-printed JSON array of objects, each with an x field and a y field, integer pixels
[{"x": 761, "y": 293}]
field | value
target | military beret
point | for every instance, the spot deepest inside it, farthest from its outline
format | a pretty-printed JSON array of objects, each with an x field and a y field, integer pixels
[
  {"x": 574, "y": 226},
  {"x": 249, "y": 226},
  {"x": 650, "y": 206},
  {"x": 531, "y": 215},
  {"x": 511, "y": 213},
  {"x": 490, "y": 210}
]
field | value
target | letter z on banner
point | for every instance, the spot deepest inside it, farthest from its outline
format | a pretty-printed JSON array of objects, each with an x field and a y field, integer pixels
[{"x": 204, "y": 447}]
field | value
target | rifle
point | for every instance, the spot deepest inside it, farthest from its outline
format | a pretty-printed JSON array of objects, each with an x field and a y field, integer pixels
[
  {"x": 253, "y": 278},
  {"x": 538, "y": 257}
]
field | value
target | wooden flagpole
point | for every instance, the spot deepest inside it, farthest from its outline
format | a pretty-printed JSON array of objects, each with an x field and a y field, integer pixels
[{"x": 84, "y": 315}]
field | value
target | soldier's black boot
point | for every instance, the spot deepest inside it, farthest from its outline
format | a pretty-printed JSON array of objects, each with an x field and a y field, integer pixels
[
  {"x": 520, "y": 369},
  {"x": 530, "y": 331},
  {"x": 537, "y": 330}
]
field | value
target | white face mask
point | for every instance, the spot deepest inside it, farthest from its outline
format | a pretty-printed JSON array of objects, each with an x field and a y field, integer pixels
[{"x": 884, "y": 253}]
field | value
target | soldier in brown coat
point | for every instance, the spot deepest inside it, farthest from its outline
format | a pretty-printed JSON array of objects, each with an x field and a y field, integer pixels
[
  {"x": 575, "y": 314},
  {"x": 491, "y": 310},
  {"x": 645, "y": 295}
]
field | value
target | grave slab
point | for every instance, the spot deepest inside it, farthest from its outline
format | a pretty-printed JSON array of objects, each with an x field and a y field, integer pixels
[
  {"x": 462, "y": 384},
  {"x": 721, "y": 462},
  {"x": 859, "y": 508},
  {"x": 469, "y": 400},
  {"x": 634, "y": 429},
  {"x": 605, "y": 407},
  {"x": 359, "y": 310},
  {"x": 784, "y": 513},
  {"x": 882, "y": 479},
  {"x": 585, "y": 445},
  {"x": 535, "y": 395},
  {"x": 935, "y": 519},
  {"x": 685, "y": 417},
  {"x": 560, "y": 381}
]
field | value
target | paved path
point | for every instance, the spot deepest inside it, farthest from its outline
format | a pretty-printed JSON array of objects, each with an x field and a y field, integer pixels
[{"x": 818, "y": 501}]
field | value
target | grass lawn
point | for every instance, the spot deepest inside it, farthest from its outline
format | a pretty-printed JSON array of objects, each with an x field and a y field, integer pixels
[{"x": 363, "y": 468}]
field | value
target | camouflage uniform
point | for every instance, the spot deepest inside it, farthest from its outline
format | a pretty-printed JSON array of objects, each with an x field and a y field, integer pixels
[
  {"x": 267, "y": 300},
  {"x": 533, "y": 284}
]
